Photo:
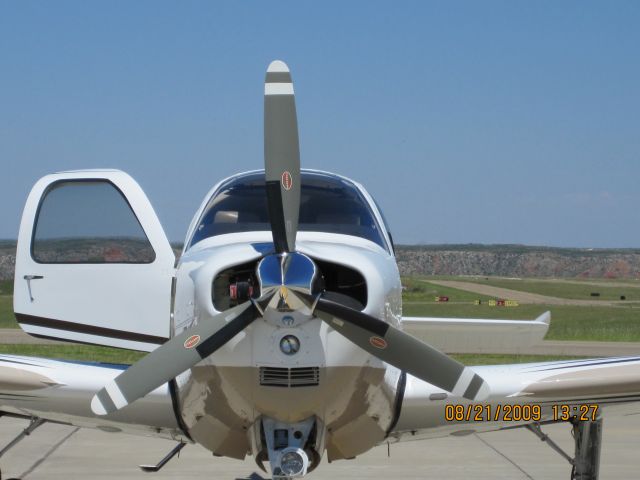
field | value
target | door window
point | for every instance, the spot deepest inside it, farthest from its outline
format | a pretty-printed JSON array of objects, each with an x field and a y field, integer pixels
[{"x": 88, "y": 221}]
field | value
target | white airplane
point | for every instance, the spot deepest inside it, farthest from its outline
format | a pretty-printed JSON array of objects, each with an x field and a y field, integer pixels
[{"x": 278, "y": 334}]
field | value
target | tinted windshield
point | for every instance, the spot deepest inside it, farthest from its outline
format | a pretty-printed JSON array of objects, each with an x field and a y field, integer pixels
[{"x": 327, "y": 204}]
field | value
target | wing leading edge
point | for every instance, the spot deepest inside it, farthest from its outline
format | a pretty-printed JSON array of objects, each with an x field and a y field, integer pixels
[
  {"x": 61, "y": 391},
  {"x": 476, "y": 335}
]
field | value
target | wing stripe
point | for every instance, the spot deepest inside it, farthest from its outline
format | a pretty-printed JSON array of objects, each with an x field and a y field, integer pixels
[{"x": 591, "y": 364}]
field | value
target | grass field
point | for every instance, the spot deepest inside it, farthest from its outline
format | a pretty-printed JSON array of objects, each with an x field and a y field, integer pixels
[
  {"x": 113, "y": 355},
  {"x": 598, "y": 323},
  {"x": 6, "y": 305},
  {"x": 420, "y": 290},
  {"x": 491, "y": 359},
  {"x": 568, "y": 322},
  {"x": 6, "y": 287},
  {"x": 562, "y": 289},
  {"x": 74, "y": 352},
  {"x": 7, "y": 320}
]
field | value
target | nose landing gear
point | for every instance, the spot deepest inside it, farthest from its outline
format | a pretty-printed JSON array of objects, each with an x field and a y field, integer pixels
[{"x": 292, "y": 448}]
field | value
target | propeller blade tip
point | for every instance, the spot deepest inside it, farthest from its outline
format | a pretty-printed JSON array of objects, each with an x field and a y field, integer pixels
[
  {"x": 471, "y": 386},
  {"x": 97, "y": 407},
  {"x": 483, "y": 393},
  {"x": 277, "y": 66}
]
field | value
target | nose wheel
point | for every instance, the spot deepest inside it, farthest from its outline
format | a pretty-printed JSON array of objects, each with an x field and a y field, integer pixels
[{"x": 291, "y": 448}]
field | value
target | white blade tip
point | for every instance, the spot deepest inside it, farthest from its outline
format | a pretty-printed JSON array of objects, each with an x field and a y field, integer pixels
[
  {"x": 278, "y": 66},
  {"x": 97, "y": 407},
  {"x": 483, "y": 393}
]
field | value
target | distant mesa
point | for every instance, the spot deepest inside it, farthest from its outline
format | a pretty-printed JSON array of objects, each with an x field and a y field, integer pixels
[{"x": 471, "y": 259}]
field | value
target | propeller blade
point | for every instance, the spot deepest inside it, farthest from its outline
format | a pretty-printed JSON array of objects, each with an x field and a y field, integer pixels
[
  {"x": 172, "y": 358},
  {"x": 281, "y": 156},
  {"x": 403, "y": 351}
]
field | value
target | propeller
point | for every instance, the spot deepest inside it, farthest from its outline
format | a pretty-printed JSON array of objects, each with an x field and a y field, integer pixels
[
  {"x": 288, "y": 284},
  {"x": 401, "y": 350},
  {"x": 281, "y": 156},
  {"x": 172, "y": 358},
  {"x": 282, "y": 174}
]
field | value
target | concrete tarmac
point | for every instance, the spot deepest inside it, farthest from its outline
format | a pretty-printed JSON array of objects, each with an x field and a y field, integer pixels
[{"x": 56, "y": 452}]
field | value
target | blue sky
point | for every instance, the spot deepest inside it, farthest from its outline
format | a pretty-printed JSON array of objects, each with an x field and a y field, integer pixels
[{"x": 484, "y": 122}]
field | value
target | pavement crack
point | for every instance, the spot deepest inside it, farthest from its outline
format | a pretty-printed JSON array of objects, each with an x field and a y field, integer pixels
[
  {"x": 504, "y": 456},
  {"x": 49, "y": 452}
]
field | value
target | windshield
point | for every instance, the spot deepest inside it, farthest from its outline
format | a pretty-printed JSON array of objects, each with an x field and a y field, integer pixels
[{"x": 327, "y": 204}]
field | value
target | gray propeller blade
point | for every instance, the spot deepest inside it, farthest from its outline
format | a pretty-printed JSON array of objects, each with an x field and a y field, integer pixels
[
  {"x": 172, "y": 358},
  {"x": 402, "y": 350},
  {"x": 281, "y": 156}
]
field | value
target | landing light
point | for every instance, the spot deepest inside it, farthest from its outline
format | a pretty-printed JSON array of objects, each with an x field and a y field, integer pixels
[{"x": 293, "y": 462}]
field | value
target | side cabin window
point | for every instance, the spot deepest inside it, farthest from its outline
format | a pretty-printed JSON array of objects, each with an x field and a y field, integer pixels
[
  {"x": 327, "y": 204},
  {"x": 88, "y": 221}
]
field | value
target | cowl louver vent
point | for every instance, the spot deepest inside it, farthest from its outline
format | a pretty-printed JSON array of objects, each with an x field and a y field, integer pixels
[{"x": 289, "y": 377}]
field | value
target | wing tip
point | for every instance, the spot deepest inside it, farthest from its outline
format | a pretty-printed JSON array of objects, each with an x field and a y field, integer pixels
[{"x": 544, "y": 318}]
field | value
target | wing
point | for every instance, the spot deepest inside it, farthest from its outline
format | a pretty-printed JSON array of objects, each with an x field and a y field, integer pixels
[
  {"x": 611, "y": 383},
  {"x": 475, "y": 335},
  {"x": 61, "y": 391}
]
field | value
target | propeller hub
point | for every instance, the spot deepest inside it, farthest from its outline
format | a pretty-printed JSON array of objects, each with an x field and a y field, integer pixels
[
  {"x": 279, "y": 273},
  {"x": 286, "y": 279}
]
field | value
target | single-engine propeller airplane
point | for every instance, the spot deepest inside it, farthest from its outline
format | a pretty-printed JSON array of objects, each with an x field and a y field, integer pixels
[{"x": 279, "y": 331}]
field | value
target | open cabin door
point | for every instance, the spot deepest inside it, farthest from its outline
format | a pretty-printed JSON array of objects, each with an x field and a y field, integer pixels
[{"x": 93, "y": 264}]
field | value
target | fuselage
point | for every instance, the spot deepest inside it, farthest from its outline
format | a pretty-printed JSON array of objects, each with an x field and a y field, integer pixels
[{"x": 350, "y": 394}]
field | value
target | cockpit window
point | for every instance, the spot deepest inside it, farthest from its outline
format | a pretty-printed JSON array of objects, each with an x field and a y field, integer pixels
[
  {"x": 386, "y": 225},
  {"x": 327, "y": 204}
]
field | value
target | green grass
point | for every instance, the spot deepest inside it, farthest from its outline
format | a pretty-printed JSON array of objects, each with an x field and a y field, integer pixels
[
  {"x": 7, "y": 320},
  {"x": 500, "y": 359},
  {"x": 74, "y": 352},
  {"x": 562, "y": 289},
  {"x": 113, "y": 355},
  {"x": 6, "y": 287},
  {"x": 419, "y": 290}
]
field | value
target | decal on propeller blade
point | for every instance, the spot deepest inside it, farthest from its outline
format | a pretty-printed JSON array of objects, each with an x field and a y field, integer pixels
[
  {"x": 192, "y": 341},
  {"x": 378, "y": 342},
  {"x": 287, "y": 181}
]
